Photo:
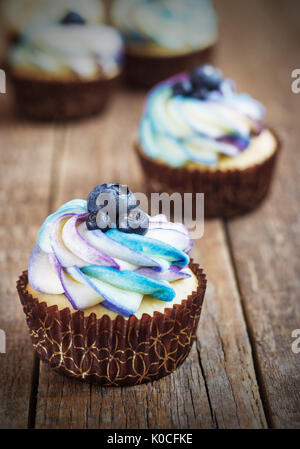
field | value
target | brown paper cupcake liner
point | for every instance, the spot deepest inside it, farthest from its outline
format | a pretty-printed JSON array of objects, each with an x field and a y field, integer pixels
[
  {"x": 147, "y": 71},
  {"x": 227, "y": 193},
  {"x": 113, "y": 352},
  {"x": 61, "y": 100}
]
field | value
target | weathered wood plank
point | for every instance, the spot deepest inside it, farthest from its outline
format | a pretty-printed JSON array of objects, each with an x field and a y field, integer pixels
[
  {"x": 221, "y": 390},
  {"x": 265, "y": 244},
  {"x": 26, "y": 159},
  {"x": 177, "y": 401},
  {"x": 223, "y": 345}
]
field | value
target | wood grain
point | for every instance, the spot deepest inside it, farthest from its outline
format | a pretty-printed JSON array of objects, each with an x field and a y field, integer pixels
[
  {"x": 223, "y": 345},
  {"x": 25, "y": 182},
  {"x": 265, "y": 244}
]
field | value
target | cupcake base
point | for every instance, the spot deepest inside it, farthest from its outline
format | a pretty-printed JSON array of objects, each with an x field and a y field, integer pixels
[
  {"x": 227, "y": 193},
  {"x": 147, "y": 71},
  {"x": 113, "y": 352},
  {"x": 61, "y": 100}
]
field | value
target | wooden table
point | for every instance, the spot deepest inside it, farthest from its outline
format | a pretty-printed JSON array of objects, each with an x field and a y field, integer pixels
[{"x": 242, "y": 372}]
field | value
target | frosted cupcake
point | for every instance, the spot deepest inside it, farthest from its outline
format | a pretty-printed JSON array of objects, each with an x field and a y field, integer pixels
[
  {"x": 66, "y": 70},
  {"x": 112, "y": 300},
  {"x": 198, "y": 135},
  {"x": 23, "y": 14},
  {"x": 164, "y": 37}
]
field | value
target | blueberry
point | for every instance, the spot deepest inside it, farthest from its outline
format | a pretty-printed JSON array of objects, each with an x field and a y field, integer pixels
[
  {"x": 99, "y": 220},
  {"x": 91, "y": 223},
  {"x": 104, "y": 221},
  {"x": 72, "y": 18},
  {"x": 207, "y": 76},
  {"x": 135, "y": 222},
  {"x": 200, "y": 93},
  {"x": 116, "y": 195},
  {"x": 182, "y": 88}
]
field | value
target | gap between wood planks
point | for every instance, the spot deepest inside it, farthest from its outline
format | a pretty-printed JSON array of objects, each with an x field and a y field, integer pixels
[{"x": 258, "y": 372}]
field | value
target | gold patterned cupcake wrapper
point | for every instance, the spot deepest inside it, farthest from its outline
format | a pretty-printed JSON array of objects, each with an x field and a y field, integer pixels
[
  {"x": 227, "y": 193},
  {"x": 113, "y": 352}
]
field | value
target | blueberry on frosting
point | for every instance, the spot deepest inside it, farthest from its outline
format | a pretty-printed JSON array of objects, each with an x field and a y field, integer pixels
[
  {"x": 99, "y": 220},
  {"x": 120, "y": 194},
  {"x": 91, "y": 223},
  {"x": 114, "y": 268},
  {"x": 201, "y": 82},
  {"x": 135, "y": 222},
  {"x": 183, "y": 88},
  {"x": 103, "y": 221},
  {"x": 206, "y": 76},
  {"x": 201, "y": 93},
  {"x": 198, "y": 117},
  {"x": 115, "y": 206},
  {"x": 72, "y": 18}
]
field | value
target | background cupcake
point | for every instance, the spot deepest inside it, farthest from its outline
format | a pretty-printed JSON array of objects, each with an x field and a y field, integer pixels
[
  {"x": 65, "y": 70},
  {"x": 116, "y": 305},
  {"x": 22, "y": 14},
  {"x": 197, "y": 134},
  {"x": 164, "y": 37}
]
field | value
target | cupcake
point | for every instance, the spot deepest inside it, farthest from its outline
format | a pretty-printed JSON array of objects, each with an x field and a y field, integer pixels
[
  {"x": 198, "y": 135},
  {"x": 112, "y": 298},
  {"x": 22, "y": 14},
  {"x": 164, "y": 37},
  {"x": 65, "y": 70}
]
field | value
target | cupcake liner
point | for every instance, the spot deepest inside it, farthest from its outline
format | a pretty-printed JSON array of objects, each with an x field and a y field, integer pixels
[
  {"x": 61, "y": 100},
  {"x": 227, "y": 193},
  {"x": 113, "y": 352},
  {"x": 149, "y": 70}
]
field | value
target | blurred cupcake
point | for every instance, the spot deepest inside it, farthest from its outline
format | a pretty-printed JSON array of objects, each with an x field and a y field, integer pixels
[
  {"x": 23, "y": 14},
  {"x": 66, "y": 70},
  {"x": 164, "y": 37},
  {"x": 198, "y": 135},
  {"x": 112, "y": 300}
]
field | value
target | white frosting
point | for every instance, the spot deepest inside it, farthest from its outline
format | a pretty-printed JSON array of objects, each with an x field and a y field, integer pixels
[
  {"x": 19, "y": 14},
  {"x": 183, "y": 288},
  {"x": 82, "y": 49},
  {"x": 178, "y": 129},
  {"x": 261, "y": 148},
  {"x": 114, "y": 268},
  {"x": 176, "y": 25}
]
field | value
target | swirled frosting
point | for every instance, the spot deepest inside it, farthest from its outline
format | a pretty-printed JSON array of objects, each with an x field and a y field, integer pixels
[
  {"x": 20, "y": 14},
  {"x": 164, "y": 27},
  {"x": 58, "y": 50},
  {"x": 179, "y": 130},
  {"x": 112, "y": 268}
]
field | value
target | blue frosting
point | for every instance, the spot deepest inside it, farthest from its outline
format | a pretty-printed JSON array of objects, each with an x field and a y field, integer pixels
[
  {"x": 180, "y": 129},
  {"x": 115, "y": 268},
  {"x": 174, "y": 25}
]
